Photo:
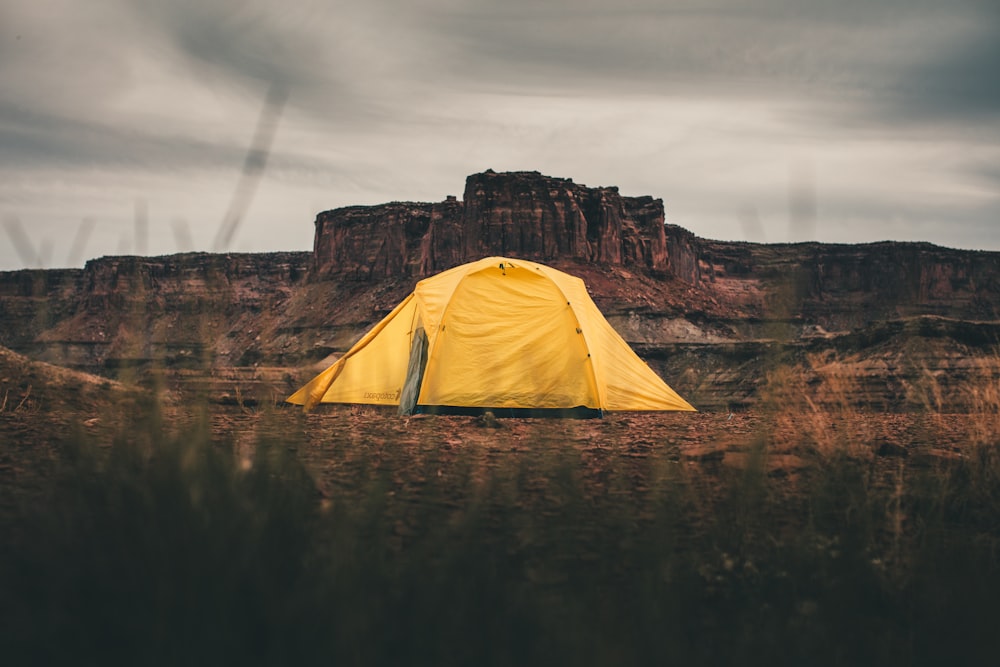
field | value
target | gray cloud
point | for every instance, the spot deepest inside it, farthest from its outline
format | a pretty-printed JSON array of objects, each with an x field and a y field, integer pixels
[
  {"x": 245, "y": 40},
  {"x": 704, "y": 104},
  {"x": 34, "y": 139},
  {"x": 959, "y": 81},
  {"x": 339, "y": 62},
  {"x": 916, "y": 59}
]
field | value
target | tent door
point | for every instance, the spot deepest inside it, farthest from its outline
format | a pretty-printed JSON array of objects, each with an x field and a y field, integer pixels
[{"x": 414, "y": 372}]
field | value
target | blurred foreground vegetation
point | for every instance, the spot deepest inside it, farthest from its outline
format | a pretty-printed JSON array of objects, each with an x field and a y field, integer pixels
[{"x": 169, "y": 547}]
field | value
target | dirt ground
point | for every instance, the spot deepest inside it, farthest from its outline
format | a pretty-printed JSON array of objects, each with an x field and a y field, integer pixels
[
  {"x": 339, "y": 443},
  {"x": 44, "y": 408},
  {"x": 784, "y": 520}
]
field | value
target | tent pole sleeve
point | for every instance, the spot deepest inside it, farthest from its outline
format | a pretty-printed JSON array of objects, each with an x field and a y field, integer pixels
[{"x": 602, "y": 400}]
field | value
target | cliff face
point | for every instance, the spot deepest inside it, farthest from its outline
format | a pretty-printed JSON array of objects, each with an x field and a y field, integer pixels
[
  {"x": 554, "y": 220},
  {"x": 714, "y": 317},
  {"x": 841, "y": 287},
  {"x": 520, "y": 214},
  {"x": 125, "y": 311},
  {"x": 388, "y": 241}
]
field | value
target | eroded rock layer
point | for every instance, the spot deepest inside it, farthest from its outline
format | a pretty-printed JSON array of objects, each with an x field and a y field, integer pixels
[
  {"x": 893, "y": 325},
  {"x": 519, "y": 214}
]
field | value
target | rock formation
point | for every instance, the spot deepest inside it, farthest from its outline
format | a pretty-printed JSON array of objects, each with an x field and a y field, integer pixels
[
  {"x": 518, "y": 214},
  {"x": 715, "y": 318},
  {"x": 526, "y": 214},
  {"x": 126, "y": 311}
]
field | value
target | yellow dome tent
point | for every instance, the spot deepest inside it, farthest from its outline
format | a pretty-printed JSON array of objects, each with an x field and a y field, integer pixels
[{"x": 496, "y": 333}]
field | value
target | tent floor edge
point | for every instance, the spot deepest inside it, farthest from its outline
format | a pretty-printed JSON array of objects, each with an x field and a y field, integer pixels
[{"x": 578, "y": 412}]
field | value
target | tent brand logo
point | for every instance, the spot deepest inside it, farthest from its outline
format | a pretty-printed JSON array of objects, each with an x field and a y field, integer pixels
[{"x": 383, "y": 395}]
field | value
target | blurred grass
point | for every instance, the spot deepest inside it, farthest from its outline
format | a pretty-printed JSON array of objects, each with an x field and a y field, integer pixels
[{"x": 169, "y": 547}]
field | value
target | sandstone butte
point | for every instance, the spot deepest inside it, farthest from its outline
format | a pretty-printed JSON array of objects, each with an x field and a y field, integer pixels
[{"x": 717, "y": 319}]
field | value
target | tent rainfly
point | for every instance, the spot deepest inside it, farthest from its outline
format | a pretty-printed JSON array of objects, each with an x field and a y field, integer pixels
[{"x": 493, "y": 334}]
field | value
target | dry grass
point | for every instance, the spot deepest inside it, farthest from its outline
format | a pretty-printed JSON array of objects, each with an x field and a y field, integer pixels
[
  {"x": 265, "y": 535},
  {"x": 816, "y": 530}
]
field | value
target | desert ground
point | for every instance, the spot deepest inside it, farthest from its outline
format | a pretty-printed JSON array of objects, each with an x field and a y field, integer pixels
[{"x": 146, "y": 528}]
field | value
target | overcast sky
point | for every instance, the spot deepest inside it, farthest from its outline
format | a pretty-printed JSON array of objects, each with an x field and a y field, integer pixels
[{"x": 125, "y": 125}]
